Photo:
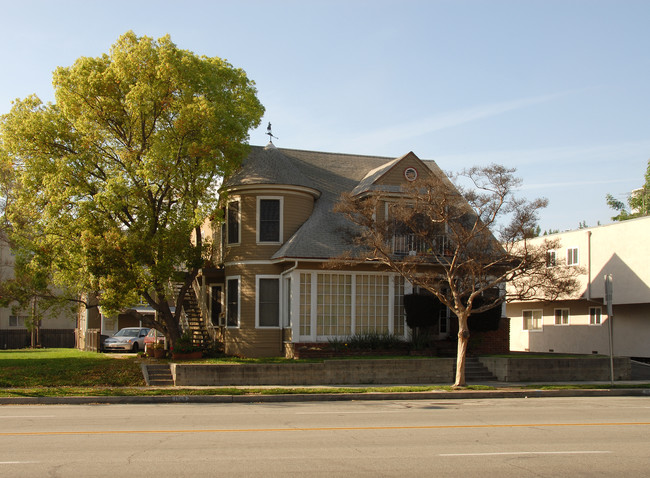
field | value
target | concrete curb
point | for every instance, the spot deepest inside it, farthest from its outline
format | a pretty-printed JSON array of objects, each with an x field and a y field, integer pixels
[{"x": 328, "y": 397}]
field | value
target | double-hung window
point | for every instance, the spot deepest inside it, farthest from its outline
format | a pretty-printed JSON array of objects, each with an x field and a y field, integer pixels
[
  {"x": 233, "y": 222},
  {"x": 550, "y": 259},
  {"x": 533, "y": 319},
  {"x": 17, "y": 321},
  {"x": 561, "y": 316},
  {"x": 572, "y": 258},
  {"x": 269, "y": 219},
  {"x": 268, "y": 301},
  {"x": 594, "y": 315},
  {"x": 232, "y": 304}
]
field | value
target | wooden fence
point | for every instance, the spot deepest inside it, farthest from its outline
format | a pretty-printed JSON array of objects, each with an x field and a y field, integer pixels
[
  {"x": 50, "y": 338},
  {"x": 92, "y": 340}
]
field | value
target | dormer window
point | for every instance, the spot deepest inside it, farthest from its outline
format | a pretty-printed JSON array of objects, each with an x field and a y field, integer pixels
[{"x": 269, "y": 219}]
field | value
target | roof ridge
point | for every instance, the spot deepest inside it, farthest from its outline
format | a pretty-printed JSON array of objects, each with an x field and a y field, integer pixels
[{"x": 330, "y": 153}]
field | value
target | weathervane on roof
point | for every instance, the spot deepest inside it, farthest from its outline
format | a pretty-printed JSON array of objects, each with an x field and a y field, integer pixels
[{"x": 268, "y": 131}]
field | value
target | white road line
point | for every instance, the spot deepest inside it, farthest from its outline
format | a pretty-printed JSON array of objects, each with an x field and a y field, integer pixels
[
  {"x": 17, "y": 462},
  {"x": 529, "y": 453}
]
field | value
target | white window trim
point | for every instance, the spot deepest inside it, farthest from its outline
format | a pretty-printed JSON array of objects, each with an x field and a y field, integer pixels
[
  {"x": 222, "y": 317},
  {"x": 552, "y": 252},
  {"x": 257, "y": 219},
  {"x": 257, "y": 303},
  {"x": 231, "y": 200},
  {"x": 314, "y": 306},
  {"x": 286, "y": 301},
  {"x": 577, "y": 262},
  {"x": 592, "y": 324},
  {"x": 541, "y": 328},
  {"x": 568, "y": 316},
  {"x": 229, "y": 278}
]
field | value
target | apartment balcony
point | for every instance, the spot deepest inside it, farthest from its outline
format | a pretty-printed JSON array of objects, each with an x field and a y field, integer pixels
[{"x": 411, "y": 245}]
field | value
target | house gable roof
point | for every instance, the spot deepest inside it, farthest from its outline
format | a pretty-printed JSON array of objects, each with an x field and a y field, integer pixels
[
  {"x": 322, "y": 235},
  {"x": 390, "y": 177}
]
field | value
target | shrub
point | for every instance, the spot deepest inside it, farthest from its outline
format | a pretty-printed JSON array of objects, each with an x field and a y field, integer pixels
[
  {"x": 184, "y": 345},
  {"x": 374, "y": 341}
]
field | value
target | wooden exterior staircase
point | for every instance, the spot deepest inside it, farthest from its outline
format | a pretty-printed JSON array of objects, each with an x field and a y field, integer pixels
[{"x": 194, "y": 323}]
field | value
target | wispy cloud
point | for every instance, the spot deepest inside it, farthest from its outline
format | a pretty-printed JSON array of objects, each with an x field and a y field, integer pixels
[
  {"x": 448, "y": 119},
  {"x": 612, "y": 153},
  {"x": 574, "y": 184}
]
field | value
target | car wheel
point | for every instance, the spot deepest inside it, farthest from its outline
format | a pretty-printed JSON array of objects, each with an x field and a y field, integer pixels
[{"x": 135, "y": 347}]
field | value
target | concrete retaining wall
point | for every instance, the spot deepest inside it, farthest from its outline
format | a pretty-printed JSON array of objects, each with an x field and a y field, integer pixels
[
  {"x": 329, "y": 372},
  {"x": 548, "y": 370},
  {"x": 412, "y": 371}
]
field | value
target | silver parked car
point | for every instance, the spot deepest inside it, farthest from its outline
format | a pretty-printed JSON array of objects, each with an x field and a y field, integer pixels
[{"x": 128, "y": 338}]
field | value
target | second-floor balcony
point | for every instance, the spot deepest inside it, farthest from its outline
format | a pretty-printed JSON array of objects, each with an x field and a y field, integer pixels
[{"x": 410, "y": 244}]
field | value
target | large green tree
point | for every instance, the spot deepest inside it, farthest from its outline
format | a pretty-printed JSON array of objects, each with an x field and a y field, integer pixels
[
  {"x": 638, "y": 203},
  {"x": 111, "y": 182}
]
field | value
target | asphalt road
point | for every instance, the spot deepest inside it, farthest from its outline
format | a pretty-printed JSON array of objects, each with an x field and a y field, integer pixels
[{"x": 501, "y": 437}]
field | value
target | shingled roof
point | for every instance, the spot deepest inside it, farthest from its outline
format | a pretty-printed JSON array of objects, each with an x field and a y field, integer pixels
[{"x": 330, "y": 174}]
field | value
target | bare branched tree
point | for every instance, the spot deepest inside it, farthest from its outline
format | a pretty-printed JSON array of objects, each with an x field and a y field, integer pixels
[{"x": 461, "y": 239}]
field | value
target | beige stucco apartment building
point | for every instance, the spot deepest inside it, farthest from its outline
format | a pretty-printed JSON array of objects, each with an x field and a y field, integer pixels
[
  {"x": 56, "y": 329},
  {"x": 580, "y": 324}
]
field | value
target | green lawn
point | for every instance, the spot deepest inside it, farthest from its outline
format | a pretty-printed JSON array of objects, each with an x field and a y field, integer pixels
[{"x": 29, "y": 368}]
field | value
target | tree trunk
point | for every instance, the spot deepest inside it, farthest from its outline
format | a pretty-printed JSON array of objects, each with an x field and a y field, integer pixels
[
  {"x": 463, "y": 340},
  {"x": 172, "y": 326}
]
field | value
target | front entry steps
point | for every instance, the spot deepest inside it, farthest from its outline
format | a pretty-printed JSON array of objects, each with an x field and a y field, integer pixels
[
  {"x": 475, "y": 371},
  {"x": 158, "y": 375}
]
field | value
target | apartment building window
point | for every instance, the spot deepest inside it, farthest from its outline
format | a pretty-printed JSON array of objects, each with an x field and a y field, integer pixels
[
  {"x": 233, "y": 222},
  {"x": 572, "y": 258},
  {"x": 561, "y": 316},
  {"x": 17, "y": 321},
  {"x": 533, "y": 319},
  {"x": 594, "y": 315},
  {"x": 268, "y": 301},
  {"x": 232, "y": 305},
  {"x": 550, "y": 259},
  {"x": 269, "y": 217}
]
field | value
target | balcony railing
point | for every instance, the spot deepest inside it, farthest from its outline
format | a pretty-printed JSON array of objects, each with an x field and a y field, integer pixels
[{"x": 410, "y": 244}]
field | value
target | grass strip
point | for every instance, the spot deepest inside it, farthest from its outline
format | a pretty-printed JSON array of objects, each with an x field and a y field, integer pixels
[{"x": 137, "y": 391}]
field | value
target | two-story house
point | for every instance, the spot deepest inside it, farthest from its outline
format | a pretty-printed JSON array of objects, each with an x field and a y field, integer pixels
[
  {"x": 273, "y": 288},
  {"x": 580, "y": 324}
]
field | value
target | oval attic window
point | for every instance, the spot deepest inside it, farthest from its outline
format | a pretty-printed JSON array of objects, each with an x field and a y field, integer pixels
[{"x": 411, "y": 174}]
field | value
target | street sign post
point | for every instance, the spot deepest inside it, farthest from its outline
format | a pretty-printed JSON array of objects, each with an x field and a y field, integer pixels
[{"x": 609, "y": 292}]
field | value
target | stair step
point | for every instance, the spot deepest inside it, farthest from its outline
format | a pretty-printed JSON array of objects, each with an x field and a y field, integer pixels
[
  {"x": 476, "y": 371},
  {"x": 159, "y": 375}
]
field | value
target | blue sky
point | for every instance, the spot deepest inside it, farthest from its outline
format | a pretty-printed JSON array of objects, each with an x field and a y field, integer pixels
[{"x": 557, "y": 89}]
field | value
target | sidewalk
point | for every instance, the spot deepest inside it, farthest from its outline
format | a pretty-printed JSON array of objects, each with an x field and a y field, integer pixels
[{"x": 501, "y": 390}]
